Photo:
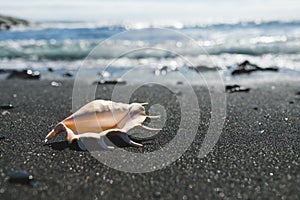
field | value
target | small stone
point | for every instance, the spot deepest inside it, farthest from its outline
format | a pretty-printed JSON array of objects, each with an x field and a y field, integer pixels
[
  {"x": 7, "y": 106},
  {"x": 69, "y": 187},
  {"x": 22, "y": 177},
  {"x": 110, "y": 82},
  {"x": 286, "y": 119},
  {"x": 104, "y": 74},
  {"x": 156, "y": 194},
  {"x": 267, "y": 116},
  {"x": 55, "y": 84},
  {"x": 236, "y": 88},
  {"x": 221, "y": 194},
  {"x": 68, "y": 74},
  {"x": 5, "y": 113},
  {"x": 203, "y": 68},
  {"x": 2, "y": 190},
  {"x": 50, "y": 69},
  {"x": 25, "y": 74}
]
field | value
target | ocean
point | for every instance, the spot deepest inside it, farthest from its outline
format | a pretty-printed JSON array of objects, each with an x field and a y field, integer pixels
[{"x": 66, "y": 46}]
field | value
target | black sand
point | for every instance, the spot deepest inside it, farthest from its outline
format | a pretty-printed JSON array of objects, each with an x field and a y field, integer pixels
[{"x": 256, "y": 157}]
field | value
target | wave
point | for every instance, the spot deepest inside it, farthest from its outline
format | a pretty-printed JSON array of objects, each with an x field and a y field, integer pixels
[
  {"x": 79, "y": 49},
  {"x": 160, "y": 24},
  {"x": 68, "y": 43}
]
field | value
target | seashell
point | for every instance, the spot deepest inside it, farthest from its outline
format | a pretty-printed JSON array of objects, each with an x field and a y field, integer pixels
[{"x": 101, "y": 118}]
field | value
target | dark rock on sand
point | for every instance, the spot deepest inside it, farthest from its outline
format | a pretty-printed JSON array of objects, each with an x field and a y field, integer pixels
[
  {"x": 6, "y": 106},
  {"x": 267, "y": 116},
  {"x": 236, "y": 88},
  {"x": 156, "y": 194},
  {"x": 50, "y": 69},
  {"x": 21, "y": 177},
  {"x": 246, "y": 68},
  {"x": 68, "y": 74},
  {"x": 2, "y": 71},
  {"x": 24, "y": 74},
  {"x": 7, "y": 23},
  {"x": 164, "y": 70},
  {"x": 202, "y": 68},
  {"x": 110, "y": 82}
]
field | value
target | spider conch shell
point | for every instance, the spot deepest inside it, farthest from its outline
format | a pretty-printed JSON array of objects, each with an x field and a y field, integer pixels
[{"x": 100, "y": 118}]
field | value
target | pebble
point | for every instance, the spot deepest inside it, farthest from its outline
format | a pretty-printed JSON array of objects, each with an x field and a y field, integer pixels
[
  {"x": 267, "y": 116},
  {"x": 247, "y": 67},
  {"x": 25, "y": 74},
  {"x": 203, "y": 68},
  {"x": 104, "y": 74},
  {"x": 69, "y": 187},
  {"x": 68, "y": 74},
  {"x": 55, "y": 84},
  {"x": 5, "y": 113},
  {"x": 110, "y": 82},
  {"x": 50, "y": 69},
  {"x": 236, "y": 88},
  {"x": 156, "y": 194},
  {"x": 7, "y": 106},
  {"x": 22, "y": 177}
]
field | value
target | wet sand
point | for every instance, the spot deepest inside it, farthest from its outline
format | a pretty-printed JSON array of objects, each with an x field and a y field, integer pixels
[{"x": 256, "y": 157}]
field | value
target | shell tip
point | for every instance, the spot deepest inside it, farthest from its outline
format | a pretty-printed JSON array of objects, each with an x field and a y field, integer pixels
[
  {"x": 150, "y": 129},
  {"x": 153, "y": 117},
  {"x": 46, "y": 140}
]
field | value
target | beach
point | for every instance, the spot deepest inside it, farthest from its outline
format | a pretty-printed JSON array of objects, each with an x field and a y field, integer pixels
[{"x": 256, "y": 156}]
